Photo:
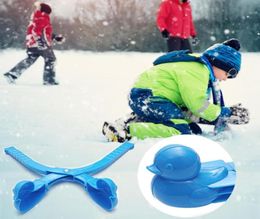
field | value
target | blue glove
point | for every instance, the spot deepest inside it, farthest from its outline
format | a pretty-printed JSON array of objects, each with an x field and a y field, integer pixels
[{"x": 221, "y": 122}]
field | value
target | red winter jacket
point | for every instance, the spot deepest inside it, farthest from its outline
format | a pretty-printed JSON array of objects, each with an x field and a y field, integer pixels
[
  {"x": 39, "y": 27},
  {"x": 176, "y": 18}
]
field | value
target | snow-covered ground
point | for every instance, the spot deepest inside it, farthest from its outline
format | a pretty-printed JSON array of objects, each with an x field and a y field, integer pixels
[{"x": 61, "y": 126}]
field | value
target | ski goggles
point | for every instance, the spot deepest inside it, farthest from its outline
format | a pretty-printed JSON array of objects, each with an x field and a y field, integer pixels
[{"x": 232, "y": 73}]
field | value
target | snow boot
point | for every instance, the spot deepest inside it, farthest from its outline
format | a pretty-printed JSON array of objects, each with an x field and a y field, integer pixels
[
  {"x": 10, "y": 78},
  {"x": 127, "y": 119},
  {"x": 115, "y": 132},
  {"x": 50, "y": 83}
]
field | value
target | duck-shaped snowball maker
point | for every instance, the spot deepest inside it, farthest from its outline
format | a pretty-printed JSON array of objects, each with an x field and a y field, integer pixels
[{"x": 181, "y": 180}]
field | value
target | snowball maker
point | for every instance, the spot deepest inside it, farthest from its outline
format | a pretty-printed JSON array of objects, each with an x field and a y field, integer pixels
[
  {"x": 27, "y": 194},
  {"x": 181, "y": 180}
]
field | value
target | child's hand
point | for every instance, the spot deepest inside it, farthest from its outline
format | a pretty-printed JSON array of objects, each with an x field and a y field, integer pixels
[
  {"x": 221, "y": 125},
  {"x": 59, "y": 39},
  {"x": 195, "y": 41},
  {"x": 221, "y": 122},
  {"x": 165, "y": 33}
]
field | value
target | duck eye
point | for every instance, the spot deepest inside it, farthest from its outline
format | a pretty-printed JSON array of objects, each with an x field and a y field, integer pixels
[{"x": 169, "y": 166}]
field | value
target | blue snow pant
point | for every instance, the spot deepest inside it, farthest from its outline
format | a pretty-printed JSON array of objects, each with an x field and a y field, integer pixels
[{"x": 157, "y": 110}]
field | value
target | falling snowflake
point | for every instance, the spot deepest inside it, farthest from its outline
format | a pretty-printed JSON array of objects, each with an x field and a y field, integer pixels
[
  {"x": 133, "y": 42},
  {"x": 226, "y": 31},
  {"x": 213, "y": 38},
  {"x": 216, "y": 54},
  {"x": 105, "y": 23}
]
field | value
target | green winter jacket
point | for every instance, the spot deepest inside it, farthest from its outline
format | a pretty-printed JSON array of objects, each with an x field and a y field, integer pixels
[{"x": 184, "y": 83}]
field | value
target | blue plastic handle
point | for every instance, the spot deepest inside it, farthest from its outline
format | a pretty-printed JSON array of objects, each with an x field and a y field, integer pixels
[
  {"x": 90, "y": 169},
  {"x": 29, "y": 163},
  {"x": 105, "y": 161},
  {"x": 103, "y": 191}
]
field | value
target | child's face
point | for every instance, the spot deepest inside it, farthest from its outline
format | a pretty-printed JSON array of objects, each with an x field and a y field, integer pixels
[{"x": 219, "y": 73}]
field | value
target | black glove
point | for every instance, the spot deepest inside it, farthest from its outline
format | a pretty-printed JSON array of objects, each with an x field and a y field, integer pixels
[
  {"x": 239, "y": 115},
  {"x": 58, "y": 38},
  {"x": 165, "y": 33},
  {"x": 195, "y": 41}
]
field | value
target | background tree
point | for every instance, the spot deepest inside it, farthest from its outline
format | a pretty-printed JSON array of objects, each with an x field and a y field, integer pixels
[
  {"x": 13, "y": 21},
  {"x": 102, "y": 25}
]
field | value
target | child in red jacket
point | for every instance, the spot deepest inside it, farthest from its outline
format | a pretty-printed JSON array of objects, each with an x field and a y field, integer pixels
[
  {"x": 174, "y": 20},
  {"x": 39, "y": 43}
]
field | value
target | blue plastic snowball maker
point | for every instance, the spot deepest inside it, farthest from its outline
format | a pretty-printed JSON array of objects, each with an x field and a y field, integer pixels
[
  {"x": 27, "y": 194},
  {"x": 181, "y": 180}
]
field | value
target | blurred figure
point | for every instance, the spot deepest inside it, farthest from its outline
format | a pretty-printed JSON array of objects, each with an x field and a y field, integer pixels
[
  {"x": 174, "y": 20},
  {"x": 39, "y": 39}
]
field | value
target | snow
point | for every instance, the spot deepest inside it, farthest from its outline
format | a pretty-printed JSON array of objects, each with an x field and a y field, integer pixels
[
  {"x": 61, "y": 126},
  {"x": 226, "y": 31},
  {"x": 213, "y": 38}
]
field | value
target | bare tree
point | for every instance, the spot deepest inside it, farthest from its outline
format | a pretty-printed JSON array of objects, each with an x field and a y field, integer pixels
[
  {"x": 12, "y": 28},
  {"x": 100, "y": 25}
]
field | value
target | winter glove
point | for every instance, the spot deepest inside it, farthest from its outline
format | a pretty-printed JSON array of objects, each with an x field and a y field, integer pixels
[
  {"x": 165, "y": 33},
  {"x": 58, "y": 38},
  {"x": 41, "y": 44},
  {"x": 195, "y": 41},
  {"x": 221, "y": 122},
  {"x": 239, "y": 115}
]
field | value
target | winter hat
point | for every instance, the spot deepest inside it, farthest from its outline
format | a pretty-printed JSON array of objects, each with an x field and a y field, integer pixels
[
  {"x": 43, "y": 7},
  {"x": 225, "y": 56}
]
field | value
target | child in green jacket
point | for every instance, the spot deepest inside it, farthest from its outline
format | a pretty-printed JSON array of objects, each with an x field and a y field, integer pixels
[{"x": 173, "y": 96}]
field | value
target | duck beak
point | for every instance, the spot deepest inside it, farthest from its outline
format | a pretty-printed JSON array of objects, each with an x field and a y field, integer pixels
[{"x": 154, "y": 169}]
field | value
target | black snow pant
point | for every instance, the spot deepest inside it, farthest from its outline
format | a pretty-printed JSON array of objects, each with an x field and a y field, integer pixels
[
  {"x": 33, "y": 54},
  {"x": 177, "y": 43}
]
